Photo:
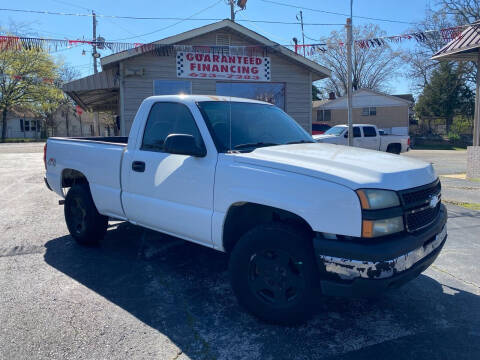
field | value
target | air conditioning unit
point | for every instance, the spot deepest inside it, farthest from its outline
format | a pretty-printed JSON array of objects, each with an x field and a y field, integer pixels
[{"x": 134, "y": 72}]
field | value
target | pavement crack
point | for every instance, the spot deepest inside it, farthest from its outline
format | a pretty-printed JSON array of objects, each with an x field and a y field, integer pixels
[
  {"x": 22, "y": 250},
  {"x": 466, "y": 282}
]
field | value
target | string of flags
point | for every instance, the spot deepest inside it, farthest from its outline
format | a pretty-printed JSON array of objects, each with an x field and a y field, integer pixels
[
  {"x": 446, "y": 35},
  {"x": 33, "y": 79},
  {"x": 52, "y": 45}
]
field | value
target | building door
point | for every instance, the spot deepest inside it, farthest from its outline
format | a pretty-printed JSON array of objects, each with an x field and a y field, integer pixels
[{"x": 168, "y": 192}]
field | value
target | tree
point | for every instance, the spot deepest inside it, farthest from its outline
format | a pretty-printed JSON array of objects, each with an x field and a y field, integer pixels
[
  {"x": 372, "y": 67},
  {"x": 50, "y": 104},
  {"x": 449, "y": 13},
  {"x": 27, "y": 79},
  {"x": 464, "y": 11},
  {"x": 445, "y": 95}
]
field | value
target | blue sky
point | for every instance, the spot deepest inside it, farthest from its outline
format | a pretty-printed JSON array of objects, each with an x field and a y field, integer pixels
[{"x": 112, "y": 29}]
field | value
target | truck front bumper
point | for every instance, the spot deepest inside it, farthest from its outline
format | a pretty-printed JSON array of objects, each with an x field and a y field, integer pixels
[{"x": 369, "y": 267}]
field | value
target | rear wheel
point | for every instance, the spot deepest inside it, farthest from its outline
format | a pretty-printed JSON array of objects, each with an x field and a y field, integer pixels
[
  {"x": 394, "y": 148},
  {"x": 86, "y": 225},
  {"x": 274, "y": 274}
]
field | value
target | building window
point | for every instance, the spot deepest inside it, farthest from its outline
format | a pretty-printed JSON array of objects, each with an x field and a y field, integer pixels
[
  {"x": 273, "y": 93},
  {"x": 223, "y": 40},
  {"x": 171, "y": 87},
  {"x": 324, "y": 115},
  {"x": 369, "y": 111},
  {"x": 21, "y": 125},
  {"x": 27, "y": 125},
  {"x": 33, "y": 125}
]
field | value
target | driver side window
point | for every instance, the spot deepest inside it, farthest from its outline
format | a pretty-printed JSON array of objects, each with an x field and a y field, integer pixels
[{"x": 167, "y": 118}]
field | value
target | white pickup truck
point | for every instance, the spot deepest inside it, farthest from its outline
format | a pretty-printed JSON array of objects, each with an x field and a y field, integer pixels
[
  {"x": 297, "y": 218},
  {"x": 367, "y": 137}
]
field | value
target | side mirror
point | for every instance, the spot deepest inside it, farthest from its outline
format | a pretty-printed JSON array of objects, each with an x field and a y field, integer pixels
[{"x": 183, "y": 144}]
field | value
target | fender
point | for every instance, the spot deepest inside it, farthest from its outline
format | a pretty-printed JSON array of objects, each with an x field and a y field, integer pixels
[{"x": 326, "y": 206}]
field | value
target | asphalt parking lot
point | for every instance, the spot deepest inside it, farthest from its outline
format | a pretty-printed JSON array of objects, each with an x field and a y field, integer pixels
[{"x": 142, "y": 295}]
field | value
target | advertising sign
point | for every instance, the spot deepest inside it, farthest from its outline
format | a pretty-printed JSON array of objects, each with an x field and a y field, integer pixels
[{"x": 222, "y": 67}]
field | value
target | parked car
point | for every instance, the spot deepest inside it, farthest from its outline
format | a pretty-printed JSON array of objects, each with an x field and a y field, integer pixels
[
  {"x": 237, "y": 176},
  {"x": 367, "y": 137},
  {"x": 319, "y": 128}
]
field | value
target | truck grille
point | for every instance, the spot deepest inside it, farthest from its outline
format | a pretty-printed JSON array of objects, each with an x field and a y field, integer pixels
[
  {"x": 419, "y": 213},
  {"x": 420, "y": 218},
  {"x": 421, "y": 195}
]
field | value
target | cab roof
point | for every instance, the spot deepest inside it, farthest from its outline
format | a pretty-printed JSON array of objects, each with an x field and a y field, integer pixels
[{"x": 201, "y": 98}]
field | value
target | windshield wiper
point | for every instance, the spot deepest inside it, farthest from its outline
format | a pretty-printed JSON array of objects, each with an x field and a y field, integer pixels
[
  {"x": 300, "y": 142},
  {"x": 254, "y": 145}
]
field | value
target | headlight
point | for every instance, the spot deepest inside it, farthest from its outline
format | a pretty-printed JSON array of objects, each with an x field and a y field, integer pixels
[
  {"x": 375, "y": 228},
  {"x": 374, "y": 199}
]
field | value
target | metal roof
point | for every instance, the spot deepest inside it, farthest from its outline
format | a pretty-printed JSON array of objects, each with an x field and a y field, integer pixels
[
  {"x": 98, "y": 92},
  {"x": 465, "y": 47}
]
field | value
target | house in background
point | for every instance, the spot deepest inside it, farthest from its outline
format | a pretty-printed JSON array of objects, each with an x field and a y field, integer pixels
[
  {"x": 70, "y": 121},
  {"x": 22, "y": 123},
  {"x": 387, "y": 112},
  {"x": 65, "y": 121}
]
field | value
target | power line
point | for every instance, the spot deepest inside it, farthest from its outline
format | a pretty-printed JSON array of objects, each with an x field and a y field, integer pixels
[
  {"x": 337, "y": 13},
  {"x": 190, "y": 18},
  {"x": 169, "y": 26}
]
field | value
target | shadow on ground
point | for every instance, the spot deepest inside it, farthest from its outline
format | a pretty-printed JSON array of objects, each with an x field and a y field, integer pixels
[{"x": 182, "y": 290}]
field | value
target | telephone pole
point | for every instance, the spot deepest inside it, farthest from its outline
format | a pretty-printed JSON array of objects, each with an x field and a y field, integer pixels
[
  {"x": 95, "y": 56},
  {"x": 94, "y": 45},
  {"x": 349, "y": 75},
  {"x": 303, "y": 35},
  {"x": 232, "y": 10}
]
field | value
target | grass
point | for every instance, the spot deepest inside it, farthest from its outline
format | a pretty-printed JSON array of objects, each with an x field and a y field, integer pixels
[
  {"x": 470, "y": 206},
  {"x": 22, "y": 140}
]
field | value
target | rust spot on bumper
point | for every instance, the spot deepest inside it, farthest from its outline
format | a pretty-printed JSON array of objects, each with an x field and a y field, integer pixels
[{"x": 350, "y": 269}]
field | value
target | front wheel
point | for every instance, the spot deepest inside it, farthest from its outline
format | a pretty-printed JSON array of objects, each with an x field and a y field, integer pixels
[
  {"x": 274, "y": 273},
  {"x": 86, "y": 225}
]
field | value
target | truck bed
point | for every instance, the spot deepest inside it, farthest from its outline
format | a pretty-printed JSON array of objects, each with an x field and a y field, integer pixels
[
  {"x": 98, "y": 159},
  {"x": 120, "y": 140}
]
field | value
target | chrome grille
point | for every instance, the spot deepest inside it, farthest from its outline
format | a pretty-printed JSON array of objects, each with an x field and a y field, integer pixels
[{"x": 416, "y": 202}]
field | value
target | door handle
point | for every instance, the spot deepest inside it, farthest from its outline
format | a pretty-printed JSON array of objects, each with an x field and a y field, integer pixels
[{"x": 138, "y": 166}]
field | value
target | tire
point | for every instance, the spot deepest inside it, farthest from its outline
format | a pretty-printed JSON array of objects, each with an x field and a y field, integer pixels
[
  {"x": 394, "y": 148},
  {"x": 274, "y": 274},
  {"x": 84, "y": 222}
]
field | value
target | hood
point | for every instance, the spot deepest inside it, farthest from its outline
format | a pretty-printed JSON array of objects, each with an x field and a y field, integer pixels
[
  {"x": 352, "y": 167},
  {"x": 332, "y": 139}
]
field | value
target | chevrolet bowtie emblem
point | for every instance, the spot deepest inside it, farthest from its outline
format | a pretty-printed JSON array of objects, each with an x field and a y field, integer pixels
[{"x": 434, "y": 200}]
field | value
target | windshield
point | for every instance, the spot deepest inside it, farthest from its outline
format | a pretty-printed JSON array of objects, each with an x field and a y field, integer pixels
[
  {"x": 336, "y": 130},
  {"x": 252, "y": 125}
]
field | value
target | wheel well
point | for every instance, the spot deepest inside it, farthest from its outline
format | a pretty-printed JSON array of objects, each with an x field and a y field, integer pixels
[
  {"x": 394, "y": 145},
  {"x": 242, "y": 217},
  {"x": 72, "y": 177}
]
